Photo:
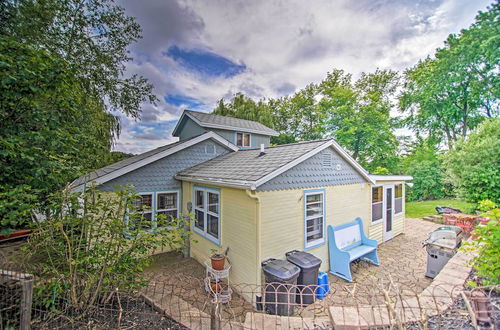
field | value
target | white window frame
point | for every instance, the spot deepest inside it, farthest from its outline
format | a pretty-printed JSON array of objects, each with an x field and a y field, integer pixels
[
  {"x": 322, "y": 240},
  {"x": 402, "y": 199},
  {"x": 210, "y": 149},
  {"x": 206, "y": 212},
  {"x": 153, "y": 204},
  {"x": 243, "y": 139},
  {"x": 374, "y": 222},
  {"x": 156, "y": 209}
]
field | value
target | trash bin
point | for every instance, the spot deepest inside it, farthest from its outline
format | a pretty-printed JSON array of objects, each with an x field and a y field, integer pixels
[
  {"x": 280, "y": 288},
  {"x": 441, "y": 246},
  {"x": 308, "y": 278}
]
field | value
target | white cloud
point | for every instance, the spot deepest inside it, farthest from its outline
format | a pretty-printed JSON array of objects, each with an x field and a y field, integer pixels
[{"x": 285, "y": 45}]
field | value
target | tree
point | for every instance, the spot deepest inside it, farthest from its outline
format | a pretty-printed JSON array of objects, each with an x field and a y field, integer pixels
[
  {"x": 93, "y": 37},
  {"x": 450, "y": 94},
  {"x": 472, "y": 165},
  {"x": 51, "y": 130},
  {"x": 359, "y": 116}
]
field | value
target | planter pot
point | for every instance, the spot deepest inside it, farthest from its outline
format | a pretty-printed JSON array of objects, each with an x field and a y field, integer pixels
[
  {"x": 217, "y": 262},
  {"x": 215, "y": 286},
  {"x": 16, "y": 234}
]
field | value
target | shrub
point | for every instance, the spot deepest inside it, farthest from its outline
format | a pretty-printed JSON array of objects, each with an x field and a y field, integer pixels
[
  {"x": 473, "y": 165},
  {"x": 487, "y": 246},
  {"x": 92, "y": 245}
]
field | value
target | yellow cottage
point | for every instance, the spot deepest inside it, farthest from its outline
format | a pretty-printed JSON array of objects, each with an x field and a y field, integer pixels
[{"x": 260, "y": 201}]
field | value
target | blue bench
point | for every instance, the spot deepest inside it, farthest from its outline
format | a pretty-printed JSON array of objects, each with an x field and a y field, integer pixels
[{"x": 347, "y": 243}]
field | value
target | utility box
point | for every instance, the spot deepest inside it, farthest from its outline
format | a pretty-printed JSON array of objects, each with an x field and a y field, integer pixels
[
  {"x": 308, "y": 277},
  {"x": 441, "y": 246},
  {"x": 280, "y": 288}
]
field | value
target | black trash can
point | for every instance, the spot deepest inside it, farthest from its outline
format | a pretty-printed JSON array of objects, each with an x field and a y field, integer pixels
[
  {"x": 307, "y": 282},
  {"x": 280, "y": 288}
]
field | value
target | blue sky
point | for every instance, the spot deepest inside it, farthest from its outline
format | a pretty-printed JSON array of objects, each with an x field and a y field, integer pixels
[{"x": 197, "y": 52}]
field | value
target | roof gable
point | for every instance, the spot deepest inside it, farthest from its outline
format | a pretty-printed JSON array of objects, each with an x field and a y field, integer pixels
[
  {"x": 122, "y": 167},
  {"x": 222, "y": 122}
]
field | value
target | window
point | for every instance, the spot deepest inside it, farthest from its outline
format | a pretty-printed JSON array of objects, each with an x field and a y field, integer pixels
[
  {"x": 207, "y": 213},
  {"x": 377, "y": 205},
  {"x": 243, "y": 139},
  {"x": 398, "y": 199},
  {"x": 144, "y": 205},
  {"x": 314, "y": 218},
  {"x": 167, "y": 205}
]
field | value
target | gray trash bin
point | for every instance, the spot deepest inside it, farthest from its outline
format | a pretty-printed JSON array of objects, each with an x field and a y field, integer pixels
[
  {"x": 281, "y": 278},
  {"x": 441, "y": 246},
  {"x": 307, "y": 282}
]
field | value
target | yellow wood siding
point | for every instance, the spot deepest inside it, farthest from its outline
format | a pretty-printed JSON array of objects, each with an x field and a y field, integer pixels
[
  {"x": 377, "y": 232},
  {"x": 282, "y": 216},
  {"x": 238, "y": 232}
]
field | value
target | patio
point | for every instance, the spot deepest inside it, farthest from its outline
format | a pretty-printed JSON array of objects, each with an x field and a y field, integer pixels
[{"x": 402, "y": 261}]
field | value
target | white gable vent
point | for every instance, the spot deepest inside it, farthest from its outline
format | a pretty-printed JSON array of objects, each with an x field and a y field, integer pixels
[
  {"x": 210, "y": 149},
  {"x": 326, "y": 160}
]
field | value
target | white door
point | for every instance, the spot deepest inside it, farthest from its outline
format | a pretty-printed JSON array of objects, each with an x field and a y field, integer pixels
[{"x": 388, "y": 211}]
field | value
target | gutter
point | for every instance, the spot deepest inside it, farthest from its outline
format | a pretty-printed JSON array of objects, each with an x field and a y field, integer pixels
[
  {"x": 234, "y": 184},
  {"x": 258, "y": 232}
]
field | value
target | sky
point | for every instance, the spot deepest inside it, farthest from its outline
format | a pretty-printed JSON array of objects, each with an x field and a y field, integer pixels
[{"x": 197, "y": 52}]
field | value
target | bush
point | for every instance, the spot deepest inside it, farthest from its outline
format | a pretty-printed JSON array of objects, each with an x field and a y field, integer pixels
[
  {"x": 473, "y": 165},
  {"x": 487, "y": 246},
  {"x": 92, "y": 245}
]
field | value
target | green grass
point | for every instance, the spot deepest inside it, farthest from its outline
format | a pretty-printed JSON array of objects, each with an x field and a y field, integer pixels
[{"x": 425, "y": 208}]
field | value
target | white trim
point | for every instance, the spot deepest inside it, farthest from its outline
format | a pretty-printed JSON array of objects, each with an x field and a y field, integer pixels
[
  {"x": 391, "y": 177},
  {"x": 402, "y": 198},
  {"x": 176, "y": 192},
  {"x": 387, "y": 235},
  {"x": 372, "y": 222},
  {"x": 207, "y": 212},
  {"x": 217, "y": 182},
  {"x": 224, "y": 127},
  {"x": 318, "y": 241},
  {"x": 129, "y": 168},
  {"x": 329, "y": 143}
]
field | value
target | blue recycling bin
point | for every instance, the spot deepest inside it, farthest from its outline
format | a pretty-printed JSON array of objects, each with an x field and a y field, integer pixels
[{"x": 323, "y": 286}]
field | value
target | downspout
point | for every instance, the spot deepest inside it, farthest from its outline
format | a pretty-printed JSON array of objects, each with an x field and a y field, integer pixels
[{"x": 257, "y": 225}]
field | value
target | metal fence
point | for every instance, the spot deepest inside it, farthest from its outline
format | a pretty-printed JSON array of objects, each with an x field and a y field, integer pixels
[{"x": 186, "y": 302}]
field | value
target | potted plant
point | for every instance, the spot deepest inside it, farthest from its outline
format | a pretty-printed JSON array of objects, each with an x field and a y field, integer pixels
[
  {"x": 217, "y": 259},
  {"x": 215, "y": 286}
]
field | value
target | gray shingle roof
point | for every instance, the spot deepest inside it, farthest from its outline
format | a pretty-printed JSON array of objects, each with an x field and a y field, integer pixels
[
  {"x": 211, "y": 120},
  {"x": 247, "y": 165},
  {"x": 122, "y": 163}
]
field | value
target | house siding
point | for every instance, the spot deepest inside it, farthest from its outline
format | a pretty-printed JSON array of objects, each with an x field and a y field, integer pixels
[
  {"x": 238, "y": 232},
  {"x": 188, "y": 128},
  {"x": 159, "y": 175},
  {"x": 311, "y": 173},
  {"x": 282, "y": 217}
]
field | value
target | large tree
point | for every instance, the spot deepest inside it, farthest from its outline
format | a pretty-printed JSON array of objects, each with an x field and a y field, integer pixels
[
  {"x": 50, "y": 128},
  {"x": 450, "y": 94},
  {"x": 93, "y": 37}
]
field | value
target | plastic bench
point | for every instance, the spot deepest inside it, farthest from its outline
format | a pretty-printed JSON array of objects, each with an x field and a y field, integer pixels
[{"x": 347, "y": 243}]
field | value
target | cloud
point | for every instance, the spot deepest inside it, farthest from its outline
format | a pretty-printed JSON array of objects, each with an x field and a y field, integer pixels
[{"x": 196, "y": 52}]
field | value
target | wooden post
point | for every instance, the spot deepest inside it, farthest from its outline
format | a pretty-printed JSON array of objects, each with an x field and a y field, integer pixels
[{"x": 26, "y": 283}]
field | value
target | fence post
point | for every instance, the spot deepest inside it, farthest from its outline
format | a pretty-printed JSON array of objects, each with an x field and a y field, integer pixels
[{"x": 26, "y": 301}]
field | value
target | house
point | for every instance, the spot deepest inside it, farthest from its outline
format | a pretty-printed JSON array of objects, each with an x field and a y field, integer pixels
[{"x": 259, "y": 200}]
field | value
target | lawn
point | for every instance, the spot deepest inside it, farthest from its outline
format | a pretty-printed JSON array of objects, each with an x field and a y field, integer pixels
[{"x": 425, "y": 208}]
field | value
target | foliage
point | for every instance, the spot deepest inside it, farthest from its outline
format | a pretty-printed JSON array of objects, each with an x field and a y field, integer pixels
[
  {"x": 487, "y": 247},
  {"x": 50, "y": 129},
  {"x": 425, "y": 208},
  {"x": 93, "y": 36},
  {"x": 381, "y": 171},
  {"x": 92, "y": 245},
  {"x": 451, "y": 94},
  {"x": 473, "y": 165},
  {"x": 424, "y": 164}
]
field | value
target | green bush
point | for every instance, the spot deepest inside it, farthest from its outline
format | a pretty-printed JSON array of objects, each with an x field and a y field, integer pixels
[
  {"x": 487, "y": 246},
  {"x": 92, "y": 245},
  {"x": 473, "y": 166}
]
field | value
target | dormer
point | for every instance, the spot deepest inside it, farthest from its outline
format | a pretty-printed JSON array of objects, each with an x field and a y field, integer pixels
[{"x": 243, "y": 133}]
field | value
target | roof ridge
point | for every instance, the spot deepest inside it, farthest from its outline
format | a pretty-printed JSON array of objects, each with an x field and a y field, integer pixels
[
  {"x": 215, "y": 114},
  {"x": 288, "y": 144}
]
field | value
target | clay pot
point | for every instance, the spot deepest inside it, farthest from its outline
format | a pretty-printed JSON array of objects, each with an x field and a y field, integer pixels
[
  {"x": 217, "y": 261},
  {"x": 215, "y": 286}
]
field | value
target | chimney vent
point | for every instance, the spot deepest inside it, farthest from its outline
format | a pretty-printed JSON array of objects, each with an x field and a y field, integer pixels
[{"x": 262, "y": 152}]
